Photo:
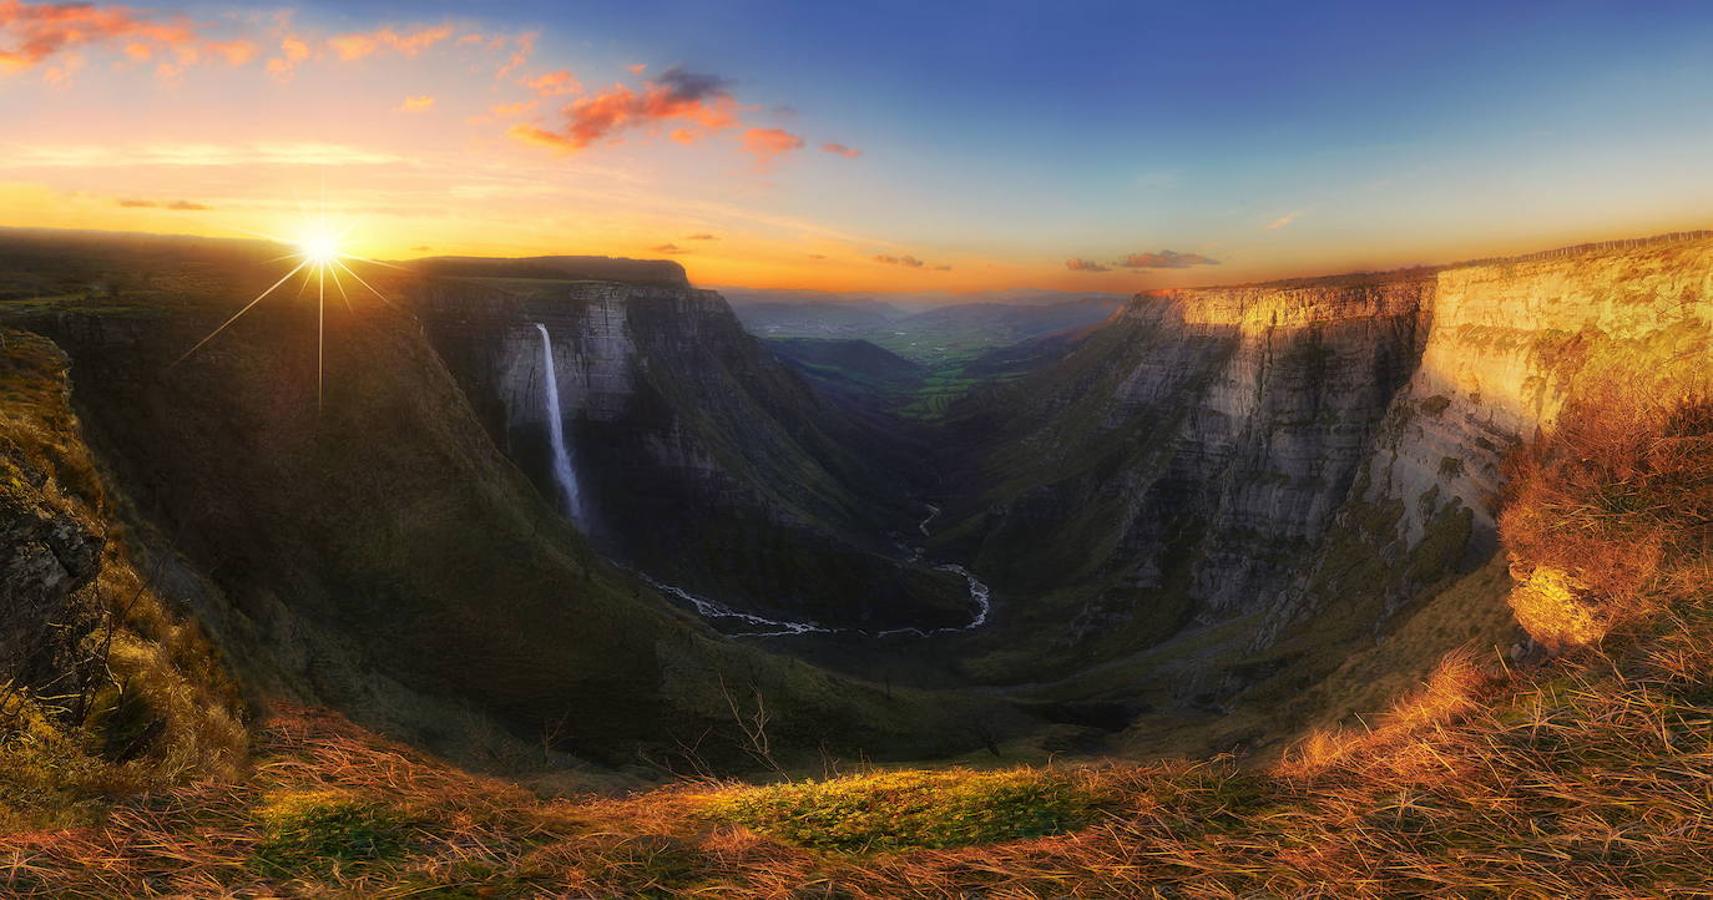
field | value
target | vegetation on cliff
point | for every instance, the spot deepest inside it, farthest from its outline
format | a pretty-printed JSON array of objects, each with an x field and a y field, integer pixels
[{"x": 105, "y": 687}]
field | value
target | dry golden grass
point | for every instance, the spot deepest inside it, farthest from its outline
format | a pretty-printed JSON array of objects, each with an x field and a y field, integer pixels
[
  {"x": 1593, "y": 514},
  {"x": 1584, "y": 776},
  {"x": 160, "y": 707}
]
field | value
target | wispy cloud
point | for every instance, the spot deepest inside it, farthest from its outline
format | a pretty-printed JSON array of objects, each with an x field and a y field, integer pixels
[
  {"x": 175, "y": 205},
  {"x": 841, "y": 150},
  {"x": 293, "y": 51},
  {"x": 361, "y": 44},
  {"x": 557, "y": 83},
  {"x": 187, "y": 154},
  {"x": 512, "y": 110},
  {"x": 909, "y": 262},
  {"x": 54, "y": 36},
  {"x": 1166, "y": 259},
  {"x": 523, "y": 46},
  {"x": 1282, "y": 221},
  {"x": 768, "y": 144},
  {"x": 35, "y": 33},
  {"x": 668, "y": 249},
  {"x": 420, "y": 103},
  {"x": 697, "y": 99},
  {"x": 1076, "y": 264},
  {"x": 702, "y": 237}
]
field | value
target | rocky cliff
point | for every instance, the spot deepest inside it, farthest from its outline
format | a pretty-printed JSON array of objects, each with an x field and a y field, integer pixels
[
  {"x": 1259, "y": 455},
  {"x": 700, "y": 458},
  {"x": 1512, "y": 343},
  {"x": 1180, "y": 462}
]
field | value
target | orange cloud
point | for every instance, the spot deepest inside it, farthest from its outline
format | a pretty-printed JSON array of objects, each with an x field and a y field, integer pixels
[
  {"x": 236, "y": 53},
  {"x": 293, "y": 50},
  {"x": 669, "y": 249},
  {"x": 768, "y": 144},
  {"x": 1085, "y": 265},
  {"x": 1166, "y": 259},
  {"x": 704, "y": 236},
  {"x": 524, "y": 46},
  {"x": 700, "y": 100},
  {"x": 357, "y": 45},
  {"x": 421, "y": 103},
  {"x": 511, "y": 110},
  {"x": 841, "y": 150},
  {"x": 32, "y": 34},
  {"x": 555, "y": 84},
  {"x": 637, "y": 68},
  {"x": 541, "y": 137},
  {"x": 176, "y": 205}
]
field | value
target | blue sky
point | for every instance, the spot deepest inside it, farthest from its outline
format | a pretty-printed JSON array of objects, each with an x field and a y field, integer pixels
[{"x": 1276, "y": 138}]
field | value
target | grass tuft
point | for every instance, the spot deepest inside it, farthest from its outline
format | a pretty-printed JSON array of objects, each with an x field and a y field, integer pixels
[
  {"x": 894, "y": 810},
  {"x": 327, "y": 832}
]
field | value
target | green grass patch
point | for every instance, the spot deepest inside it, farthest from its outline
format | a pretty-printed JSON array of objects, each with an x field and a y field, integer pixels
[
  {"x": 327, "y": 833},
  {"x": 895, "y": 810}
]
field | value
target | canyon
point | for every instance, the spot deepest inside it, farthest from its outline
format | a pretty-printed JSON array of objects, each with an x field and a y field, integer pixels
[
  {"x": 545, "y": 576},
  {"x": 566, "y": 486}
]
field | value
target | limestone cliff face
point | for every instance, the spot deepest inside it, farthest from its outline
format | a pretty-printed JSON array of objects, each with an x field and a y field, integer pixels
[
  {"x": 1218, "y": 453},
  {"x": 1273, "y": 442},
  {"x": 1509, "y": 344},
  {"x": 1181, "y": 462},
  {"x": 701, "y": 458}
]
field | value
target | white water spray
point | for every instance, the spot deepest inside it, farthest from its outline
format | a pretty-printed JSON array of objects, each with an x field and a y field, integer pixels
[{"x": 563, "y": 474}]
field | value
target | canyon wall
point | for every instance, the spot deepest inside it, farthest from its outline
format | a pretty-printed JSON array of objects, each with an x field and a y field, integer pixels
[
  {"x": 1513, "y": 340},
  {"x": 1512, "y": 343},
  {"x": 702, "y": 459},
  {"x": 1256, "y": 453},
  {"x": 1180, "y": 464}
]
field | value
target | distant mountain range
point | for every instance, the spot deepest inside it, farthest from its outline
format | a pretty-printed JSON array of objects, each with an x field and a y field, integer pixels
[{"x": 935, "y": 333}]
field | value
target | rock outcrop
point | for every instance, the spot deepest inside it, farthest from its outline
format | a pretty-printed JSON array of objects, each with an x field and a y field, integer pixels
[
  {"x": 48, "y": 558},
  {"x": 703, "y": 460}
]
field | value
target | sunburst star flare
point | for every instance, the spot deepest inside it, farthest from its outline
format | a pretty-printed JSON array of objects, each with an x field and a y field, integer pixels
[{"x": 319, "y": 253}]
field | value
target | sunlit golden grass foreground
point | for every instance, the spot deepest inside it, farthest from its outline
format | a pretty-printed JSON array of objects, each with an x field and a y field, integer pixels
[{"x": 1592, "y": 775}]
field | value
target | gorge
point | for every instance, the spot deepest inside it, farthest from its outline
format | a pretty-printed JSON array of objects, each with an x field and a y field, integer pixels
[{"x": 1218, "y": 521}]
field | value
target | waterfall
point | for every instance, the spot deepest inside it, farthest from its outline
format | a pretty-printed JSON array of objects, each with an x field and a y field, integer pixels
[{"x": 563, "y": 474}]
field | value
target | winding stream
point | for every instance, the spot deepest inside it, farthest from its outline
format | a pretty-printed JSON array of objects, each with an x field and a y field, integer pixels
[{"x": 715, "y": 611}]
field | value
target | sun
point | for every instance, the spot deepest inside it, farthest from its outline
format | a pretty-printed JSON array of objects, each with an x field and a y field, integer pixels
[
  {"x": 319, "y": 248},
  {"x": 320, "y": 254}
]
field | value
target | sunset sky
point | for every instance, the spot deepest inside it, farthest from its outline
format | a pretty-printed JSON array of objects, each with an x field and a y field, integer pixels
[{"x": 872, "y": 146}]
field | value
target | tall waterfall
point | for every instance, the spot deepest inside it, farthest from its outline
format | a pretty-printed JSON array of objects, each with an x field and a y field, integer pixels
[{"x": 563, "y": 474}]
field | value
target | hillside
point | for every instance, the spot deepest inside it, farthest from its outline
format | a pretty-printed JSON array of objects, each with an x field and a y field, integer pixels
[
  {"x": 699, "y": 457},
  {"x": 1578, "y": 775},
  {"x": 381, "y": 556}
]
